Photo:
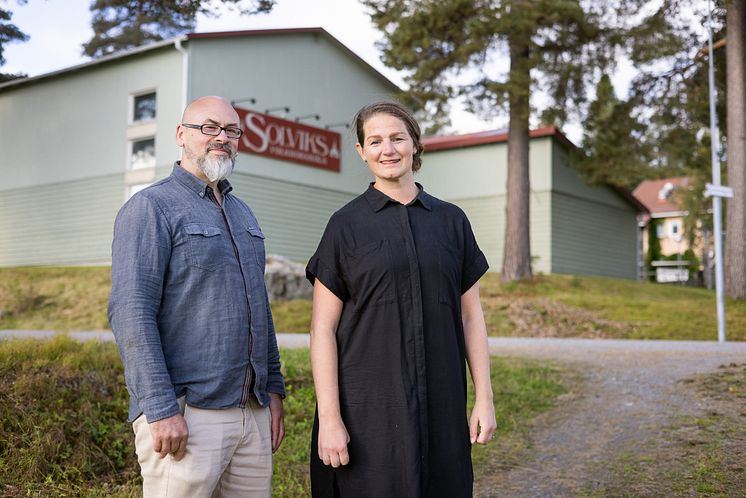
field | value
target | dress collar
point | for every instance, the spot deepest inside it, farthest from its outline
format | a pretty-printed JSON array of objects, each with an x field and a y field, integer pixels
[{"x": 378, "y": 200}]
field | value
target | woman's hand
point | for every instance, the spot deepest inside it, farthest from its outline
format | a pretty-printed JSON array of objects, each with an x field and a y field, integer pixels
[
  {"x": 482, "y": 423},
  {"x": 333, "y": 439}
]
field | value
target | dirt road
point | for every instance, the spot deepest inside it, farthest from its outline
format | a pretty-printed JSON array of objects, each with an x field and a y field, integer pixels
[{"x": 631, "y": 391}]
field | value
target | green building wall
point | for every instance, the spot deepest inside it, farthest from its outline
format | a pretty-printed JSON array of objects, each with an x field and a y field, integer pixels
[{"x": 573, "y": 228}]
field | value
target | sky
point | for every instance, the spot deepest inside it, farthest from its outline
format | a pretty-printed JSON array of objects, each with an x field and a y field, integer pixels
[{"x": 58, "y": 28}]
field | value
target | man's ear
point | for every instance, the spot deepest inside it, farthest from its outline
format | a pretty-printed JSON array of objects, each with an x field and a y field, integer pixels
[{"x": 179, "y": 135}]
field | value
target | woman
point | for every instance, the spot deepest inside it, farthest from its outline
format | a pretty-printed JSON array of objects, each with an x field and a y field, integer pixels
[{"x": 395, "y": 312}]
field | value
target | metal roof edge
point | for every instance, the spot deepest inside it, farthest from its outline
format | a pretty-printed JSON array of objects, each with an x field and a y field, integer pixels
[{"x": 94, "y": 62}]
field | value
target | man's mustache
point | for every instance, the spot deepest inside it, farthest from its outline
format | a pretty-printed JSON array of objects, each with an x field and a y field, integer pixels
[{"x": 223, "y": 147}]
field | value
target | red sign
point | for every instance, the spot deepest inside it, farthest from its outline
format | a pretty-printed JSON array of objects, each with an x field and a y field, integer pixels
[{"x": 270, "y": 136}]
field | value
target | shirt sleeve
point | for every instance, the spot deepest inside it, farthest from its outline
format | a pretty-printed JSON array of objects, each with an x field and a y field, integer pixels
[
  {"x": 475, "y": 263},
  {"x": 326, "y": 263},
  {"x": 141, "y": 251},
  {"x": 275, "y": 380}
]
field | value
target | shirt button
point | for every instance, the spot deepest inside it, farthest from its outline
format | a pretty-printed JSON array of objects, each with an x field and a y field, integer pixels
[
  {"x": 205, "y": 232},
  {"x": 201, "y": 194}
]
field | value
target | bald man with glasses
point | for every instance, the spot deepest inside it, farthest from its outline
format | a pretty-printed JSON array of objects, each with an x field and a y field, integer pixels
[{"x": 191, "y": 318}]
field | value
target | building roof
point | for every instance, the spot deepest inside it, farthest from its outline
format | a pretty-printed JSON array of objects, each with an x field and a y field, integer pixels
[
  {"x": 657, "y": 195},
  {"x": 447, "y": 142},
  {"x": 195, "y": 36}
]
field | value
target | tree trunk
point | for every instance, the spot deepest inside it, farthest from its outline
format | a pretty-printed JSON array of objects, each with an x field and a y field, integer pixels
[
  {"x": 735, "y": 240},
  {"x": 517, "y": 249}
]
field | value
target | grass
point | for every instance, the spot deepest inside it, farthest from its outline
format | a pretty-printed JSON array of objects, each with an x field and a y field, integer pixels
[
  {"x": 548, "y": 306},
  {"x": 63, "y": 410}
]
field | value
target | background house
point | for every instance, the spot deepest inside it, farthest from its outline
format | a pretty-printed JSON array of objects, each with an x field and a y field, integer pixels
[{"x": 666, "y": 216}]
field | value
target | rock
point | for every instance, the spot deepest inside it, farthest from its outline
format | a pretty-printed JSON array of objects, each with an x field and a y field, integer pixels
[{"x": 286, "y": 279}]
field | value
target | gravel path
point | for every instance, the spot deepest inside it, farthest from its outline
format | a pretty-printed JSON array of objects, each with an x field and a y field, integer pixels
[{"x": 630, "y": 391}]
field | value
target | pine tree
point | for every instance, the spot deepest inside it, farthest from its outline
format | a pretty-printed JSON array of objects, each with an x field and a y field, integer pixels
[
  {"x": 124, "y": 24},
  {"x": 8, "y": 33},
  {"x": 555, "y": 46},
  {"x": 612, "y": 152},
  {"x": 735, "y": 241}
]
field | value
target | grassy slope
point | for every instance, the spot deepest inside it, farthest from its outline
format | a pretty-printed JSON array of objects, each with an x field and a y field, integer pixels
[
  {"x": 556, "y": 305},
  {"x": 63, "y": 409}
]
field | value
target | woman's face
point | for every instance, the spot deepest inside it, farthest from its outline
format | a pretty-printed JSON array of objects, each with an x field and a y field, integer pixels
[{"x": 387, "y": 148}]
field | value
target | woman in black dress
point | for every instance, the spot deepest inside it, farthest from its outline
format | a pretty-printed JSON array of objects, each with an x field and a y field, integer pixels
[{"x": 396, "y": 313}]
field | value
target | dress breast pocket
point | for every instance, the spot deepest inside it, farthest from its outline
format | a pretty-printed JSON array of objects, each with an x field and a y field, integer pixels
[
  {"x": 371, "y": 275},
  {"x": 449, "y": 274},
  {"x": 208, "y": 247}
]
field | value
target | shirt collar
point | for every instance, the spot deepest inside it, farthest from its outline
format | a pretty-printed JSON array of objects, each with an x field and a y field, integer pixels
[
  {"x": 196, "y": 185},
  {"x": 378, "y": 200}
]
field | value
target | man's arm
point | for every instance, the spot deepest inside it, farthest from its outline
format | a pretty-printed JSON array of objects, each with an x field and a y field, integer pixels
[
  {"x": 275, "y": 382},
  {"x": 140, "y": 255}
]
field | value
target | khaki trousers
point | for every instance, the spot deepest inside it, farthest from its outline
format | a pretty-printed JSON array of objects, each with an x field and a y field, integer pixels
[{"x": 229, "y": 454}]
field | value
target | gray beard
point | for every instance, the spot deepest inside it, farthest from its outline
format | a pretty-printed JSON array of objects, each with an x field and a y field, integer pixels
[{"x": 216, "y": 168}]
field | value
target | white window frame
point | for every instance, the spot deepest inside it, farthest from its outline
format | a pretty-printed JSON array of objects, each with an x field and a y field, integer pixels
[
  {"x": 131, "y": 106},
  {"x": 130, "y": 148},
  {"x": 674, "y": 229}
]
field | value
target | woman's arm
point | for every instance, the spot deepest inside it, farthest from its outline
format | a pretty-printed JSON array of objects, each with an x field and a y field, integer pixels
[
  {"x": 333, "y": 436},
  {"x": 482, "y": 422}
]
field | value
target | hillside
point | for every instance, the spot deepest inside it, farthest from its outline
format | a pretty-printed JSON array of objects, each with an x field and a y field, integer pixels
[{"x": 549, "y": 306}]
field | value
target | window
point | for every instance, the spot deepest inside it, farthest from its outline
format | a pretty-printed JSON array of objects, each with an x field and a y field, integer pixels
[
  {"x": 143, "y": 153},
  {"x": 675, "y": 229},
  {"x": 143, "y": 107},
  {"x": 659, "y": 230}
]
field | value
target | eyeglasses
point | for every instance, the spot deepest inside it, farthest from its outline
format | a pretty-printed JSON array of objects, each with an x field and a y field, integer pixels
[{"x": 214, "y": 130}]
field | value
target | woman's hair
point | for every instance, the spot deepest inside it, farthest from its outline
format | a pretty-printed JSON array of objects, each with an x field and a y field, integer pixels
[{"x": 392, "y": 108}]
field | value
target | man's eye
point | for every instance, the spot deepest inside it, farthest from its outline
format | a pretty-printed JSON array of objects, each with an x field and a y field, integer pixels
[{"x": 210, "y": 129}]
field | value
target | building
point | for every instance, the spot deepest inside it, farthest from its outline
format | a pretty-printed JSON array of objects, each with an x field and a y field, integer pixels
[
  {"x": 665, "y": 215},
  {"x": 659, "y": 197},
  {"x": 574, "y": 228},
  {"x": 78, "y": 142}
]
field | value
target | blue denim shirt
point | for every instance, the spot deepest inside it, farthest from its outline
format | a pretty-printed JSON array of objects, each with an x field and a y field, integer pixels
[{"x": 188, "y": 304}]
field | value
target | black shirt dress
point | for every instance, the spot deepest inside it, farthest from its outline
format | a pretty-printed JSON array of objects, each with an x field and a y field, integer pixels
[{"x": 400, "y": 271}]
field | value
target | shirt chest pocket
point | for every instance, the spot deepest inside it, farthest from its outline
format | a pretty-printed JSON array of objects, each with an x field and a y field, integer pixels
[
  {"x": 208, "y": 247},
  {"x": 370, "y": 275},
  {"x": 253, "y": 246}
]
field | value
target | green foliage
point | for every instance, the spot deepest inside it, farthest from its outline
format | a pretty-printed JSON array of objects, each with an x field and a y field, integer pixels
[
  {"x": 63, "y": 408},
  {"x": 611, "y": 152},
  {"x": 9, "y": 33},
  {"x": 63, "y": 413},
  {"x": 124, "y": 24},
  {"x": 654, "y": 245}
]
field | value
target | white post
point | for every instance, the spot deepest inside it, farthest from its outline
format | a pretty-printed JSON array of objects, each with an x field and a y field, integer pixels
[{"x": 716, "y": 199}]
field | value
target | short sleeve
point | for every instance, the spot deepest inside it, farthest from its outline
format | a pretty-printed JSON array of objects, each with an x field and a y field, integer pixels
[
  {"x": 326, "y": 263},
  {"x": 475, "y": 263}
]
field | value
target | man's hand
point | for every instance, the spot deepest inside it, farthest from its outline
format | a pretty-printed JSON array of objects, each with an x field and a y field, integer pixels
[
  {"x": 170, "y": 436},
  {"x": 278, "y": 420}
]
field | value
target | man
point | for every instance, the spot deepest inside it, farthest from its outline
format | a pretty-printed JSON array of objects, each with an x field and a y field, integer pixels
[{"x": 191, "y": 318}]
